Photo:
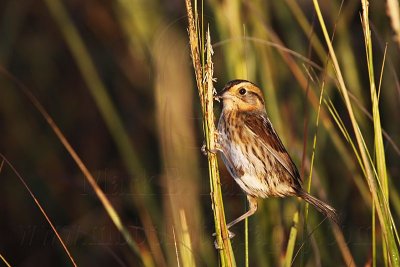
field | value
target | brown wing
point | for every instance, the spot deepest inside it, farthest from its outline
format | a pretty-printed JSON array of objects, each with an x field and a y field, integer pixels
[{"x": 259, "y": 124}]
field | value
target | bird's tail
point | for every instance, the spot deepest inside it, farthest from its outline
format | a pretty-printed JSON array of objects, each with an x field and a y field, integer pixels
[{"x": 321, "y": 206}]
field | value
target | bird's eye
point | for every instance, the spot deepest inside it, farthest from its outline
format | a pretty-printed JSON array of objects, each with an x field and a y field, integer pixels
[{"x": 242, "y": 91}]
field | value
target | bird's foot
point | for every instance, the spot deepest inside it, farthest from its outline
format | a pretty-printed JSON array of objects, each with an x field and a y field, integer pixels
[
  {"x": 230, "y": 236},
  {"x": 205, "y": 150}
]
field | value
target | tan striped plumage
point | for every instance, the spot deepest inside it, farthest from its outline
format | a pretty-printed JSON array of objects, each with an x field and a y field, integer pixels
[{"x": 253, "y": 153}]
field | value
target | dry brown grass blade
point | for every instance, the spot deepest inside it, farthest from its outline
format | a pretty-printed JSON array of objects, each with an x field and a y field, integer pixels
[{"x": 39, "y": 206}]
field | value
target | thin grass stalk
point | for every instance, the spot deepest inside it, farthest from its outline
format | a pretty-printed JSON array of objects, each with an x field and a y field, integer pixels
[
  {"x": 292, "y": 240},
  {"x": 382, "y": 68},
  {"x": 178, "y": 262},
  {"x": 385, "y": 217},
  {"x": 53, "y": 228},
  {"x": 378, "y": 140},
  {"x": 344, "y": 249},
  {"x": 293, "y": 230},
  {"x": 338, "y": 234},
  {"x": 368, "y": 46},
  {"x": 194, "y": 47},
  {"x": 344, "y": 131},
  {"x": 309, "y": 180},
  {"x": 314, "y": 147},
  {"x": 4, "y": 261},
  {"x": 205, "y": 87},
  {"x": 216, "y": 194}
]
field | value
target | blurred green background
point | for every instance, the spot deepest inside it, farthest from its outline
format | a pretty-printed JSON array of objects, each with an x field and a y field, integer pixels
[{"x": 117, "y": 78}]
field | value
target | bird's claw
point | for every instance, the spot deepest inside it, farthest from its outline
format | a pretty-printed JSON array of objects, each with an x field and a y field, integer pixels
[
  {"x": 205, "y": 150},
  {"x": 230, "y": 236}
]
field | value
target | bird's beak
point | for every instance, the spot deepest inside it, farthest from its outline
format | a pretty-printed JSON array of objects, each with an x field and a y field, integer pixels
[
  {"x": 222, "y": 94},
  {"x": 218, "y": 96}
]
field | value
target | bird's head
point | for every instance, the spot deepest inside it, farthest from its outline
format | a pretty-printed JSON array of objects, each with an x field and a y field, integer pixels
[{"x": 241, "y": 95}]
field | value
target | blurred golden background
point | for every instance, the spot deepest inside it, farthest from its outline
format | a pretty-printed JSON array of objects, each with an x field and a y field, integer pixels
[{"x": 117, "y": 78}]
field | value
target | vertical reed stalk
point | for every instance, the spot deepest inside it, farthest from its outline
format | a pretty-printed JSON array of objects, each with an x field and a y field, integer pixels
[{"x": 204, "y": 79}]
